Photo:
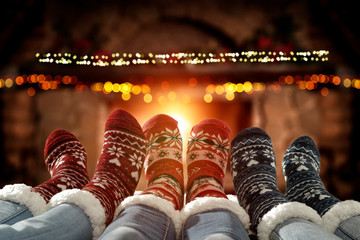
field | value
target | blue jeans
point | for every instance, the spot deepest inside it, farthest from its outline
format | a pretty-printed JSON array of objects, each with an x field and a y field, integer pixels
[
  {"x": 298, "y": 228},
  {"x": 349, "y": 229},
  {"x": 141, "y": 222},
  {"x": 11, "y": 213},
  {"x": 67, "y": 221},
  {"x": 214, "y": 224},
  {"x": 144, "y": 222}
]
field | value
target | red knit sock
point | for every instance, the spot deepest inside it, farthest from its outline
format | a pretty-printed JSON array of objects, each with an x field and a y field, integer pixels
[
  {"x": 163, "y": 165},
  {"x": 119, "y": 167},
  {"x": 65, "y": 159},
  {"x": 207, "y": 157}
]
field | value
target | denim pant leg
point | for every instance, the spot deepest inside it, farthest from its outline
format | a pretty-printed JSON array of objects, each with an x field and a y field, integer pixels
[
  {"x": 298, "y": 228},
  {"x": 66, "y": 221},
  {"x": 214, "y": 224},
  {"x": 11, "y": 212},
  {"x": 140, "y": 222},
  {"x": 349, "y": 229}
]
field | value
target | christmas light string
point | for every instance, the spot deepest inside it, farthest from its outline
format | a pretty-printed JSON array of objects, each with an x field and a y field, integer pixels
[
  {"x": 127, "y": 59},
  {"x": 321, "y": 82}
]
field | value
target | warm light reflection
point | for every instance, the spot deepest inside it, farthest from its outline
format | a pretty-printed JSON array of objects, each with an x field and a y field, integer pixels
[
  {"x": 147, "y": 98},
  {"x": 324, "y": 91},
  {"x": 183, "y": 123},
  {"x": 347, "y": 83},
  {"x": 165, "y": 92},
  {"x": 208, "y": 98},
  {"x": 9, "y": 83},
  {"x": 172, "y": 96}
]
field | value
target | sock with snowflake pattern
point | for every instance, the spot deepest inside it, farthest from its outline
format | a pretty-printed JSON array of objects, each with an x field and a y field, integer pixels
[
  {"x": 207, "y": 157},
  {"x": 116, "y": 175},
  {"x": 254, "y": 173},
  {"x": 301, "y": 168},
  {"x": 119, "y": 167},
  {"x": 66, "y": 161},
  {"x": 163, "y": 165}
]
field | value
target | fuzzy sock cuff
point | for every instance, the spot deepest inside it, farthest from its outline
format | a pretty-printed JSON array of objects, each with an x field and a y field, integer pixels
[
  {"x": 22, "y": 194},
  {"x": 203, "y": 204},
  {"x": 283, "y": 212},
  {"x": 88, "y": 203},
  {"x": 340, "y": 212},
  {"x": 158, "y": 203}
]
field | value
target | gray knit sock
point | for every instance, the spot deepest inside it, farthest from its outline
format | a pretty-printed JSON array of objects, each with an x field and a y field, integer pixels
[{"x": 301, "y": 166}]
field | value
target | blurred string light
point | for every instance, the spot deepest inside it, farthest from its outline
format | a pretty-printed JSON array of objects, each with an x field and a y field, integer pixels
[
  {"x": 228, "y": 91},
  {"x": 127, "y": 59}
]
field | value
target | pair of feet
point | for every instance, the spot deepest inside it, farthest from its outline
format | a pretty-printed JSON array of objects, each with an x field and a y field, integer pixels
[
  {"x": 118, "y": 169},
  {"x": 254, "y": 175},
  {"x": 207, "y": 156}
]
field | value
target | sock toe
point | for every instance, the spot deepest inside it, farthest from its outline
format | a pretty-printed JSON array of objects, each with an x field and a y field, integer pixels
[
  {"x": 213, "y": 123},
  {"x": 251, "y": 132},
  {"x": 304, "y": 141},
  {"x": 157, "y": 122},
  {"x": 120, "y": 119},
  {"x": 57, "y": 137}
]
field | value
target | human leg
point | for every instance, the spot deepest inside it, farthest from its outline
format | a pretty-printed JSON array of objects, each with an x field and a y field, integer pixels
[
  {"x": 208, "y": 213},
  {"x": 66, "y": 221},
  {"x": 254, "y": 176},
  {"x": 301, "y": 167},
  {"x": 65, "y": 159},
  {"x": 116, "y": 174}
]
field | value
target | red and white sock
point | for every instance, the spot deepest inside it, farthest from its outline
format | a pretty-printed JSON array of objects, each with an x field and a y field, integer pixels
[
  {"x": 120, "y": 164},
  {"x": 66, "y": 161},
  {"x": 207, "y": 157},
  {"x": 163, "y": 165}
]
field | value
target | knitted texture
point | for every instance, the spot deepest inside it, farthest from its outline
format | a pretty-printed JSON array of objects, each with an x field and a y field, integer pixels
[
  {"x": 120, "y": 164},
  {"x": 207, "y": 157},
  {"x": 163, "y": 165},
  {"x": 66, "y": 161},
  {"x": 301, "y": 166},
  {"x": 254, "y": 174}
]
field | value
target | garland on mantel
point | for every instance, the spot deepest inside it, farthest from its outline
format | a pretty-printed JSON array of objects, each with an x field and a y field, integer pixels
[{"x": 182, "y": 58}]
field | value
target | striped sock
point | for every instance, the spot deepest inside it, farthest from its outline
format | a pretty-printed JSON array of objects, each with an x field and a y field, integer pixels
[
  {"x": 254, "y": 174},
  {"x": 207, "y": 157},
  {"x": 163, "y": 165},
  {"x": 301, "y": 166}
]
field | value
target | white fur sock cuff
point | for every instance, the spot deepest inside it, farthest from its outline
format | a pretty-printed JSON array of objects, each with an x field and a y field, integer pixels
[
  {"x": 283, "y": 212},
  {"x": 88, "y": 203},
  {"x": 21, "y": 193},
  {"x": 339, "y": 213}
]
